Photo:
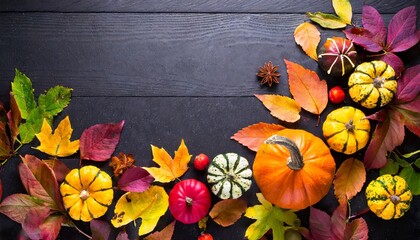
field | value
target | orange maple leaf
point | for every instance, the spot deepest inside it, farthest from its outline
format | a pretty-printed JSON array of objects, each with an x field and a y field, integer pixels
[
  {"x": 281, "y": 107},
  {"x": 306, "y": 88},
  {"x": 255, "y": 135},
  {"x": 170, "y": 169}
]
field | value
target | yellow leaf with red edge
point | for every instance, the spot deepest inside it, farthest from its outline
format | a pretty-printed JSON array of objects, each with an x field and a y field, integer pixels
[
  {"x": 308, "y": 37},
  {"x": 170, "y": 169},
  {"x": 281, "y": 107},
  {"x": 255, "y": 135},
  {"x": 226, "y": 212},
  {"x": 57, "y": 144},
  {"x": 306, "y": 88},
  {"x": 164, "y": 234},
  {"x": 349, "y": 179}
]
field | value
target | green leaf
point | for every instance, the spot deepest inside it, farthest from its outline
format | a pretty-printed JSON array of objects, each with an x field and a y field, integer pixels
[
  {"x": 413, "y": 179},
  {"x": 403, "y": 163},
  {"x": 32, "y": 126},
  {"x": 54, "y": 101},
  {"x": 327, "y": 20},
  {"x": 409, "y": 155},
  {"x": 24, "y": 94},
  {"x": 343, "y": 10},
  {"x": 417, "y": 163},
  {"x": 391, "y": 167}
]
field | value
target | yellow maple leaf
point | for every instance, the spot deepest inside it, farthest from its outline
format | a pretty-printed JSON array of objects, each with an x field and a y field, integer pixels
[
  {"x": 58, "y": 143},
  {"x": 170, "y": 169}
]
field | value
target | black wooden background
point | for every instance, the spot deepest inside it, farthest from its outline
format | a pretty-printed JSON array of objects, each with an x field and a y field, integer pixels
[{"x": 173, "y": 69}]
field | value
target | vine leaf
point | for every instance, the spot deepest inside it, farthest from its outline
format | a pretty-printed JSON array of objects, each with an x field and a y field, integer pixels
[
  {"x": 404, "y": 110},
  {"x": 349, "y": 179},
  {"x": 306, "y": 88},
  {"x": 135, "y": 179},
  {"x": 24, "y": 94},
  {"x": 149, "y": 205},
  {"x": 281, "y": 107},
  {"x": 170, "y": 169},
  {"x": 374, "y": 37},
  {"x": 255, "y": 135},
  {"x": 323, "y": 226},
  {"x": 226, "y": 212},
  {"x": 164, "y": 234},
  {"x": 99, "y": 141},
  {"x": 268, "y": 217},
  {"x": 57, "y": 144},
  {"x": 308, "y": 37}
]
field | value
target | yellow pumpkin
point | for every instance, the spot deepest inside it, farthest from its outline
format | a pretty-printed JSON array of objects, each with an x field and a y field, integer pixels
[
  {"x": 373, "y": 84},
  {"x": 346, "y": 130},
  {"x": 388, "y": 196},
  {"x": 87, "y": 192}
]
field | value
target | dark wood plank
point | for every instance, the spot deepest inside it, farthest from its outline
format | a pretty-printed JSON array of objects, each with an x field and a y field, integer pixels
[
  {"x": 151, "y": 54},
  {"x": 206, "y": 124},
  {"x": 384, "y": 6}
]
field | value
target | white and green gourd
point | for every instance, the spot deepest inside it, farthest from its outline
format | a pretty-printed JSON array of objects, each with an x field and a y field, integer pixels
[{"x": 229, "y": 175}]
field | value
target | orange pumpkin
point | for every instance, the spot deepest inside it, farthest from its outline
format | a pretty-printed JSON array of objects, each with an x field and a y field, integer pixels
[{"x": 294, "y": 169}]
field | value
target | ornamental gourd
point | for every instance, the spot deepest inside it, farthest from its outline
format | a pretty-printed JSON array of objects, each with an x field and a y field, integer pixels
[
  {"x": 337, "y": 56},
  {"x": 87, "y": 192},
  {"x": 346, "y": 130},
  {"x": 388, "y": 196},
  {"x": 373, "y": 84},
  {"x": 294, "y": 169},
  {"x": 230, "y": 175},
  {"x": 189, "y": 201}
]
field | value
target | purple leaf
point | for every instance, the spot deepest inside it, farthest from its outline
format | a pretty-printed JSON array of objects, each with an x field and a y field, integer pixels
[
  {"x": 135, "y": 179},
  {"x": 1, "y": 189},
  {"x": 402, "y": 32},
  {"x": 59, "y": 168},
  {"x": 338, "y": 221},
  {"x": 374, "y": 24},
  {"x": 17, "y": 206},
  {"x": 98, "y": 142},
  {"x": 394, "y": 61},
  {"x": 409, "y": 84},
  {"x": 40, "y": 179},
  {"x": 387, "y": 135},
  {"x": 34, "y": 218},
  {"x": 363, "y": 38},
  {"x": 122, "y": 236},
  {"x": 100, "y": 229},
  {"x": 357, "y": 230},
  {"x": 320, "y": 224}
]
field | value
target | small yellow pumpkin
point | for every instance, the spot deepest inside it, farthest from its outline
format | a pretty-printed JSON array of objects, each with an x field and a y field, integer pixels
[
  {"x": 373, "y": 84},
  {"x": 87, "y": 192},
  {"x": 346, "y": 130},
  {"x": 388, "y": 196}
]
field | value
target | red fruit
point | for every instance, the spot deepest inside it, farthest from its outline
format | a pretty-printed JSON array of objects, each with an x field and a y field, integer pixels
[
  {"x": 337, "y": 56},
  {"x": 189, "y": 201},
  {"x": 201, "y": 161},
  {"x": 205, "y": 236},
  {"x": 336, "y": 95}
]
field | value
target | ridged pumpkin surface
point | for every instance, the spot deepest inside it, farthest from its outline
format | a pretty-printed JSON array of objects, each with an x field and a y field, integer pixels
[
  {"x": 388, "y": 196},
  {"x": 346, "y": 130},
  {"x": 294, "y": 189},
  {"x": 87, "y": 192},
  {"x": 372, "y": 84}
]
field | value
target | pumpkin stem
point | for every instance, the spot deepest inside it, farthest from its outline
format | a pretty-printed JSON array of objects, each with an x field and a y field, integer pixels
[
  {"x": 378, "y": 82},
  {"x": 84, "y": 194},
  {"x": 350, "y": 126},
  {"x": 395, "y": 199},
  {"x": 189, "y": 201},
  {"x": 295, "y": 161}
]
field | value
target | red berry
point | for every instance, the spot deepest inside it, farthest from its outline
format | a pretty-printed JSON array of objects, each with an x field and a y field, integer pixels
[
  {"x": 336, "y": 95},
  {"x": 201, "y": 161},
  {"x": 205, "y": 236}
]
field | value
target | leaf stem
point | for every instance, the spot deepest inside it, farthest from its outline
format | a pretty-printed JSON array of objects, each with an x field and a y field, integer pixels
[
  {"x": 358, "y": 214},
  {"x": 81, "y": 232}
]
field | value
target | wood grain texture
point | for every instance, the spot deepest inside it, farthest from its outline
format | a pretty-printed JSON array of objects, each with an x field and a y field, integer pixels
[
  {"x": 113, "y": 54},
  {"x": 257, "y": 6},
  {"x": 206, "y": 125}
]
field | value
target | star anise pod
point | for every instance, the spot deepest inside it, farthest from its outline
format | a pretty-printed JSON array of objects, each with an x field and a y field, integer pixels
[
  {"x": 121, "y": 163},
  {"x": 269, "y": 73}
]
